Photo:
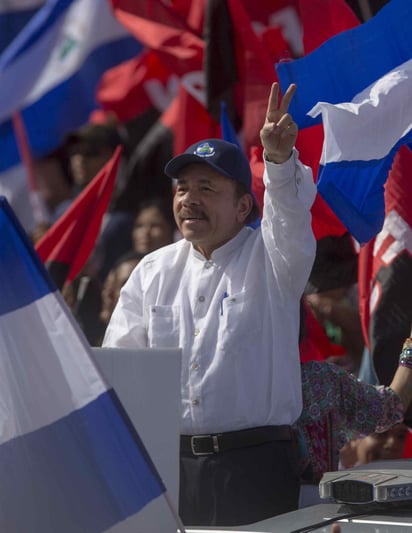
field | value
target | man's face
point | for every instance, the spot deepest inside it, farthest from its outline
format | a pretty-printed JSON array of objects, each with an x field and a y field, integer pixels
[{"x": 207, "y": 210}]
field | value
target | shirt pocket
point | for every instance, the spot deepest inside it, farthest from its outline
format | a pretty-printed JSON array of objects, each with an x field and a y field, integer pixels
[
  {"x": 240, "y": 323},
  {"x": 163, "y": 329}
]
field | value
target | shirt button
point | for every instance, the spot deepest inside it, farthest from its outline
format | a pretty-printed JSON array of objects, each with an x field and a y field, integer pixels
[
  {"x": 195, "y": 401},
  {"x": 201, "y": 298},
  {"x": 208, "y": 264},
  {"x": 196, "y": 332},
  {"x": 195, "y": 366}
]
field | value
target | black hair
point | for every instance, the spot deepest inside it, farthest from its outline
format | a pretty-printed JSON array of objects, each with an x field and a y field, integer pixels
[{"x": 163, "y": 204}]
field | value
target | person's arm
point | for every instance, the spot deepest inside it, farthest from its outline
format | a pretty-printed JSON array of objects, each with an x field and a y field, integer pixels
[
  {"x": 402, "y": 380},
  {"x": 289, "y": 195}
]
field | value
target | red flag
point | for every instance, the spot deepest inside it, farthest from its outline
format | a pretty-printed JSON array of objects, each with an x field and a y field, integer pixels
[
  {"x": 172, "y": 35},
  {"x": 321, "y": 19},
  {"x": 315, "y": 345},
  {"x": 385, "y": 274},
  {"x": 189, "y": 121},
  {"x": 67, "y": 245},
  {"x": 161, "y": 27},
  {"x": 136, "y": 86}
]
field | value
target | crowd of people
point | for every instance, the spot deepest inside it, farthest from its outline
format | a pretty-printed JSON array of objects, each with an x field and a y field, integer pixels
[{"x": 264, "y": 410}]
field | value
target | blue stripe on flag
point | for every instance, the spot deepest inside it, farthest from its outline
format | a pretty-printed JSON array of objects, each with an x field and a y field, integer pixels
[
  {"x": 345, "y": 200},
  {"x": 84, "y": 472},
  {"x": 23, "y": 277},
  {"x": 70, "y": 458},
  {"x": 58, "y": 58},
  {"x": 12, "y": 22},
  {"x": 35, "y": 29},
  {"x": 349, "y": 62},
  {"x": 65, "y": 107}
]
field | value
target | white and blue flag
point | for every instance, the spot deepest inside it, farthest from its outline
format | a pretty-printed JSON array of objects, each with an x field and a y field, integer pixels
[
  {"x": 359, "y": 84},
  {"x": 14, "y": 15},
  {"x": 50, "y": 71},
  {"x": 70, "y": 459}
]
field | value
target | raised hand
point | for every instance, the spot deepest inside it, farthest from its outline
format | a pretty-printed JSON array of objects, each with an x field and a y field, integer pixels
[{"x": 279, "y": 132}]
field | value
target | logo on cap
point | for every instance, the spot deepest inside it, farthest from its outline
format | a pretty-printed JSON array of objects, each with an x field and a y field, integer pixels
[{"x": 205, "y": 150}]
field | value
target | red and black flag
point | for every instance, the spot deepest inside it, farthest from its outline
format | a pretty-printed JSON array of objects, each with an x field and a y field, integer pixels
[{"x": 385, "y": 273}]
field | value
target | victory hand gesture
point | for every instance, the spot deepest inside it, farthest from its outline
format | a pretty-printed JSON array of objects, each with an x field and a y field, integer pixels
[{"x": 279, "y": 132}]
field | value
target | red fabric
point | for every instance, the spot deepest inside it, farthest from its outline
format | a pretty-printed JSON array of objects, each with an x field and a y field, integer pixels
[
  {"x": 256, "y": 74},
  {"x": 407, "y": 451},
  {"x": 189, "y": 121},
  {"x": 365, "y": 265},
  {"x": 316, "y": 346},
  {"x": 321, "y": 19},
  {"x": 172, "y": 35},
  {"x": 160, "y": 27},
  {"x": 71, "y": 239},
  {"x": 135, "y": 86},
  {"x": 398, "y": 199}
]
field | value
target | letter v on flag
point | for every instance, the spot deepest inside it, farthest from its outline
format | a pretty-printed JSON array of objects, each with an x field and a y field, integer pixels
[{"x": 70, "y": 459}]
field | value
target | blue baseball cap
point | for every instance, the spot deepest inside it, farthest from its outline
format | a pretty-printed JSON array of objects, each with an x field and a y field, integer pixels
[{"x": 223, "y": 156}]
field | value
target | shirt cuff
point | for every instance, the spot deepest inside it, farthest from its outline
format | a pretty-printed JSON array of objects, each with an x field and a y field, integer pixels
[{"x": 283, "y": 170}]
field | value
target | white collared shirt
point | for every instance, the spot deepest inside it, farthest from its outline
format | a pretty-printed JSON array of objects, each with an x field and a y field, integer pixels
[{"x": 235, "y": 316}]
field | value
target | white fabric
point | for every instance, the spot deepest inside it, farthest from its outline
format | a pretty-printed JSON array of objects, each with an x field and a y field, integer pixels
[
  {"x": 54, "y": 358},
  {"x": 14, "y": 186},
  {"x": 72, "y": 38},
  {"x": 240, "y": 360},
  {"x": 376, "y": 118}
]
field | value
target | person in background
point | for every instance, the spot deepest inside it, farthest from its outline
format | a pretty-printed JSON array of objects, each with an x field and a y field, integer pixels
[
  {"x": 114, "y": 281},
  {"x": 383, "y": 446},
  {"x": 229, "y": 297},
  {"x": 337, "y": 310},
  {"x": 55, "y": 189},
  {"x": 88, "y": 149},
  {"x": 337, "y": 408},
  {"x": 84, "y": 298},
  {"x": 154, "y": 225}
]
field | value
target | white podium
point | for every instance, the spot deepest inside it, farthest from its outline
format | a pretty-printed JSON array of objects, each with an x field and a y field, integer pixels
[{"x": 147, "y": 383}]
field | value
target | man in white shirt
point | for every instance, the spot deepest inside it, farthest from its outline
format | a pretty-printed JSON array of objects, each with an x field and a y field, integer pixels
[{"x": 229, "y": 295}]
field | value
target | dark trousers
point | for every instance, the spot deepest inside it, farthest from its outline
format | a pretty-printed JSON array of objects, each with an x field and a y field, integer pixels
[{"x": 240, "y": 486}]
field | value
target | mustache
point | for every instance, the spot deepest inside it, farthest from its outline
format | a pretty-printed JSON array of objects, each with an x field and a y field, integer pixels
[{"x": 190, "y": 213}]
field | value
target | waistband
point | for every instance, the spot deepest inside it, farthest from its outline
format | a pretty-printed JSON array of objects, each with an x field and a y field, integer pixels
[{"x": 210, "y": 444}]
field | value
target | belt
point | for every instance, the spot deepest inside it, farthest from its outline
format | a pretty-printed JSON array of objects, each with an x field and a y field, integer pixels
[{"x": 222, "y": 442}]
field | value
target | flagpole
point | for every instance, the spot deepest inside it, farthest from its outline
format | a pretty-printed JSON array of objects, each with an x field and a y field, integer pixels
[
  {"x": 27, "y": 159},
  {"x": 179, "y": 522}
]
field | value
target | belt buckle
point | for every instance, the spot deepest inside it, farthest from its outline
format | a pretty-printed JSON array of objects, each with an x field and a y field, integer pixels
[{"x": 214, "y": 443}]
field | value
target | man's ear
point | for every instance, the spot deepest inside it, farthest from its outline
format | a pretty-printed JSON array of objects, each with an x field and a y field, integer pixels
[{"x": 244, "y": 207}]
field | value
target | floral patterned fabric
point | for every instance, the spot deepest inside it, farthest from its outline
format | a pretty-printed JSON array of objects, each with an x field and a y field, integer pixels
[{"x": 337, "y": 407}]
